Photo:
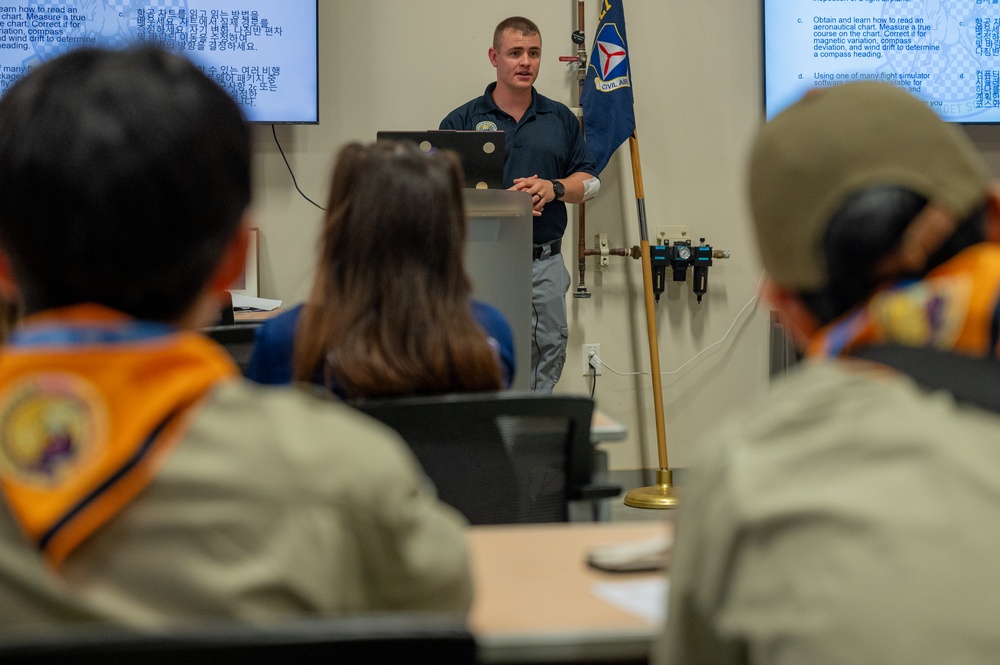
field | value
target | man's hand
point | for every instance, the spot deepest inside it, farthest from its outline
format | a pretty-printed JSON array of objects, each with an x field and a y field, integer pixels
[{"x": 540, "y": 190}]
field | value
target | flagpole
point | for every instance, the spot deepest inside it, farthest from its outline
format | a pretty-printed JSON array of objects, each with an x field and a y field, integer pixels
[
  {"x": 614, "y": 120},
  {"x": 662, "y": 495}
]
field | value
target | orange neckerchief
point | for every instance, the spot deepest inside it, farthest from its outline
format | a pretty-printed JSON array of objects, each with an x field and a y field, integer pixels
[
  {"x": 90, "y": 403},
  {"x": 955, "y": 307}
]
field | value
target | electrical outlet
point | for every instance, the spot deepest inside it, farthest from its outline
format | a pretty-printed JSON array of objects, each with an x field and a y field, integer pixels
[{"x": 591, "y": 351}]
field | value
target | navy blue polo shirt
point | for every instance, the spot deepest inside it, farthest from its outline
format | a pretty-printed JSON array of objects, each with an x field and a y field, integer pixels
[{"x": 547, "y": 141}]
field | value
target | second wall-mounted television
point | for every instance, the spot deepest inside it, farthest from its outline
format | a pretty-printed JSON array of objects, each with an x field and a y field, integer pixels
[
  {"x": 263, "y": 52},
  {"x": 947, "y": 52}
]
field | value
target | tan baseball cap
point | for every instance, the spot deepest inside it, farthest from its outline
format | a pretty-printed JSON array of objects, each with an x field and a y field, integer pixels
[{"x": 837, "y": 141}]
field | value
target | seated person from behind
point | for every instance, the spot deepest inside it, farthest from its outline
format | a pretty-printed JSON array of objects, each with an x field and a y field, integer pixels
[
  {"x": 144, "y": 481},
  {"x": 850, "y": 517},
  {"x": 390, "y": 312}
]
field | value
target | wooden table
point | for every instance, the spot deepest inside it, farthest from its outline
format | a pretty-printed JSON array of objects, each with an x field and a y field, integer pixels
[
  {"x": 534, "y": 600},
  {"x": 252, "y": 315}
]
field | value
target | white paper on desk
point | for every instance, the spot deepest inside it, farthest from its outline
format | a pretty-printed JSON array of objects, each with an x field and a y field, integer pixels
[
  {"x": 241, "y": 301},
  {"x": 646, "y": 598}
]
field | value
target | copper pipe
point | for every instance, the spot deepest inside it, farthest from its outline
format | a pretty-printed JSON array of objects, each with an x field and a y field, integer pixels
[{"x": 632, "y": 252}]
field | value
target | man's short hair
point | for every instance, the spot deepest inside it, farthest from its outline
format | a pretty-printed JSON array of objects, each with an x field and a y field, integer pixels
[
  {"x": 123, "y": 177},
  {"x": 518, "y": 24},
  {"x": 836, "y": 142}
]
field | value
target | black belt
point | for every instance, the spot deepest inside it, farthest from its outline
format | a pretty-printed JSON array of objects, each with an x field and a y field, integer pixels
[{"x": 556, "y": 246}]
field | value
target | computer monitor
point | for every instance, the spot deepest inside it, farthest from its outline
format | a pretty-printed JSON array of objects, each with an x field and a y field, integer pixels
[
  {"x": 264, "y": 53},
  {"x": 482, "y": 153}
]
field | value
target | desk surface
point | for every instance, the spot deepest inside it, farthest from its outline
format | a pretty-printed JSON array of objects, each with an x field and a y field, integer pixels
[
  {"x": 246, "y": 315},
  {"x": 604, "y": 429},
  {"x": 533, "y": 594}
]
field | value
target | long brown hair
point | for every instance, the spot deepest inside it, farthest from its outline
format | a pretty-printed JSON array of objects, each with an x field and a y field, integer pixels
[{"x": 389, "y": 313}]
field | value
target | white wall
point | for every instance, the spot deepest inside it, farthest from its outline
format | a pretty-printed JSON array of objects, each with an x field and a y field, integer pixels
[{"x": 399, "y": 64}]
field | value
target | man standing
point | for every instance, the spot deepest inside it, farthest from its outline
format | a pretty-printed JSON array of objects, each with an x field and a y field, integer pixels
[
  {"x": 546, "y": 157},
  {"x": 848, "y": 518}
]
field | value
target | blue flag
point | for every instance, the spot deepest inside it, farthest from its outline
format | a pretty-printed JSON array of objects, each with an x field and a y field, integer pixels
[{"x": 608, "y": 114}]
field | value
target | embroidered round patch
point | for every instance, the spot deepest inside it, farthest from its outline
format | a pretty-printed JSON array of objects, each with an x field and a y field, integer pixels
[
  {"x": 49, "y": 427},
  {"x": 931, "y": 312},
  {"x": 486, "y": 126}
]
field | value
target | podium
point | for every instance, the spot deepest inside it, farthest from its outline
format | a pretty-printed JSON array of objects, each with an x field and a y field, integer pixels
[{"x": 498, "y": 260}]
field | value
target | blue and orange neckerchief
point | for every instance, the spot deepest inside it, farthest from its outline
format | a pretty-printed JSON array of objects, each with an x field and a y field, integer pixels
[
  {"x": 91, "y": 401},
  {"x": 955, "y": 307}
]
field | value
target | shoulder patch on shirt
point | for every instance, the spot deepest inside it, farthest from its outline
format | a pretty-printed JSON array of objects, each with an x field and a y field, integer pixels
[
  {"x": 49, "y": 426},
  {"x": 486, "y": 126}
]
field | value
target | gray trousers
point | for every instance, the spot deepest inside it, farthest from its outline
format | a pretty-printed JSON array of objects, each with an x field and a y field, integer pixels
[{"x": 549, "y": 327}]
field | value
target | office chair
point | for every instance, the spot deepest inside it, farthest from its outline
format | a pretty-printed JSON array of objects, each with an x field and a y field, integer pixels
[
  {"x": 500, "y": 457},
  {"x": 374, "y": 640}
]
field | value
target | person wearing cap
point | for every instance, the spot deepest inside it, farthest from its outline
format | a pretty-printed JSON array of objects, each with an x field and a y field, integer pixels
[{"x": 849, "y": 517}]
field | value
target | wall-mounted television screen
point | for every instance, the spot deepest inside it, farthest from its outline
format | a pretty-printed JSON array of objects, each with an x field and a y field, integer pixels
[
  {"x": 264, "y": 52},
  {"x": 946, "y": 52}
]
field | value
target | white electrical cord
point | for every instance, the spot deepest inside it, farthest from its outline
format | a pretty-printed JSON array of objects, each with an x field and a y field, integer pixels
[{"x": 752, "y": 301}]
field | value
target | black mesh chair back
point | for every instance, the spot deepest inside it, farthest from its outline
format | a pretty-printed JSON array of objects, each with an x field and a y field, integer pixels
[
  {"x": 373, "y": 640},
  {"x": 499, "y": 458}
]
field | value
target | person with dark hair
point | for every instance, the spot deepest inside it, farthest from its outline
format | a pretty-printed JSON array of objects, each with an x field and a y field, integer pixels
[
  {"x": 390, "y": 312},
  {"x": 143, "y": 481},
  {"x": 545, "y": 156},
  {"x": 846, "y": 519}
]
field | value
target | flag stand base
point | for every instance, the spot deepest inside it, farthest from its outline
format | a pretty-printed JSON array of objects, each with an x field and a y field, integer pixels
[{"x": 662, "y": 495}]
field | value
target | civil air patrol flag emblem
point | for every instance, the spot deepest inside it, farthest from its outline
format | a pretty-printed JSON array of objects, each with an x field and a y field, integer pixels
[
  {"x": 612, "y": 59},
  {"x": 608, "y": 114}
]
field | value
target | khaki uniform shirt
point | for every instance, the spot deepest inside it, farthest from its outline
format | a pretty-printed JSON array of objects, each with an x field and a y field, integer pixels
[
  {"x": 275, "y": 504},
  {"x": 852, "y": 518}
]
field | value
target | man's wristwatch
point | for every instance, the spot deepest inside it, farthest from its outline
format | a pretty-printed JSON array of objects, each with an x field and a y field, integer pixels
[{"x": 558, "y": 189}]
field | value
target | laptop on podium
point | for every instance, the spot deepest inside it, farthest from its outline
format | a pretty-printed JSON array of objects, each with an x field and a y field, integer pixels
[{"x": 482, "y": 153}]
